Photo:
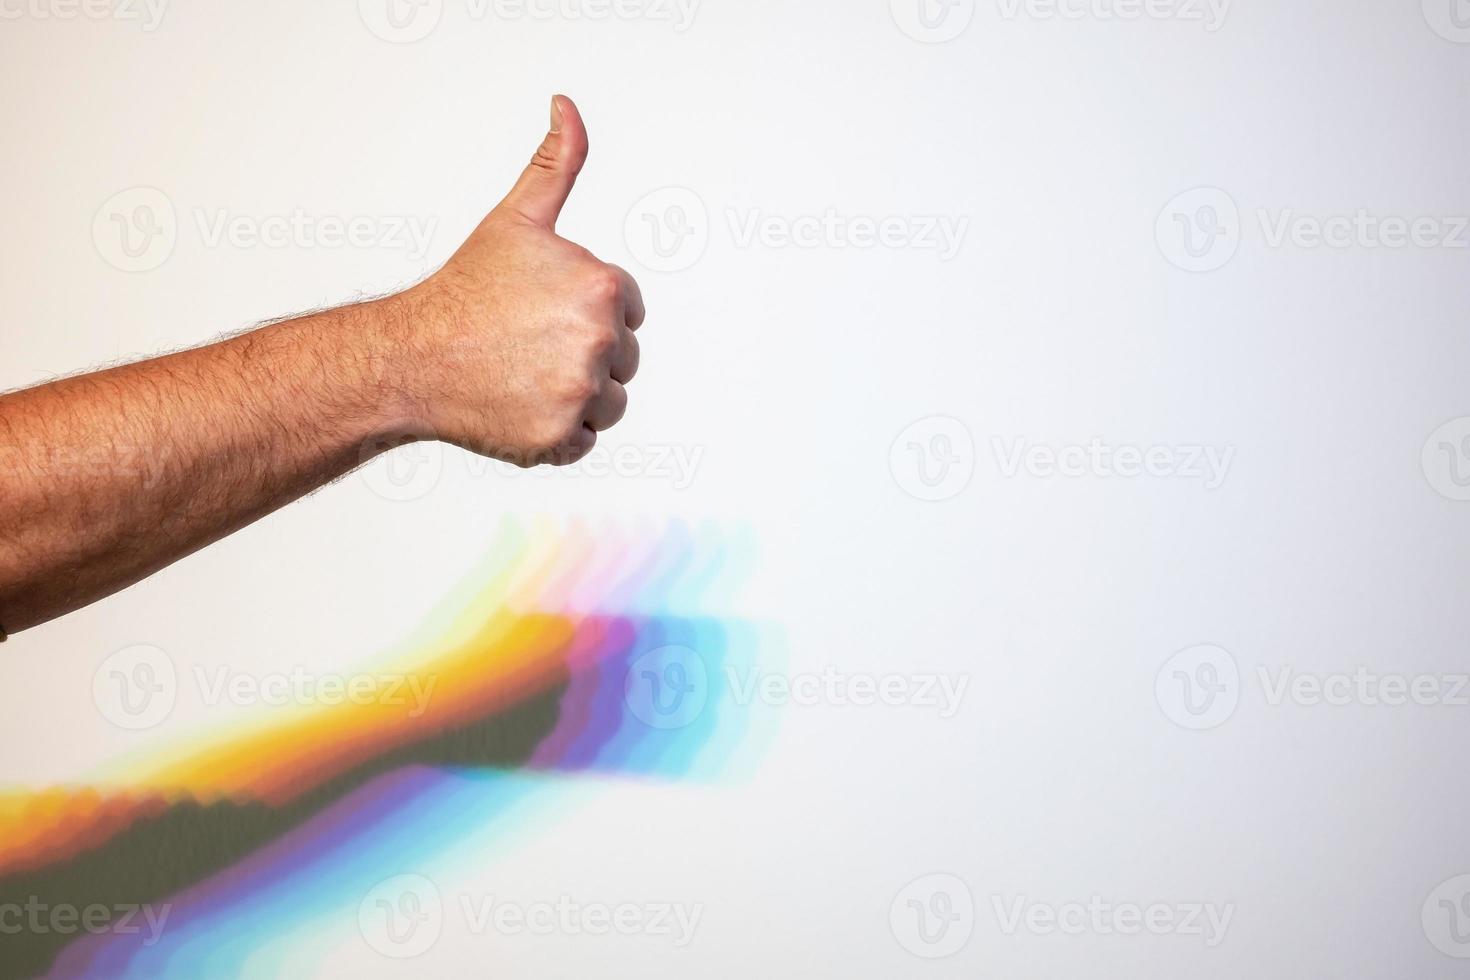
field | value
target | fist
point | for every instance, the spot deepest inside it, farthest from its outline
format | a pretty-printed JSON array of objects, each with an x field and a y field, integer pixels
[{"x": 522, "y": 344}]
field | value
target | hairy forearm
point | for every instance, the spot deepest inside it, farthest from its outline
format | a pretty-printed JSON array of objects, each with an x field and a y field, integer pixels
[
  {"x": 518, "y": 348},
  {"x": 107, "y": 477}
]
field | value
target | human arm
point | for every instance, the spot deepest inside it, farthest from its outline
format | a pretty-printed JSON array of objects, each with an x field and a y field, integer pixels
[{"x": 518, "y": 348}]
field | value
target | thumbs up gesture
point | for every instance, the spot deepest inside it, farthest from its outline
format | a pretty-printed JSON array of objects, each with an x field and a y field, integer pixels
[{"x": 522, "y": 344}]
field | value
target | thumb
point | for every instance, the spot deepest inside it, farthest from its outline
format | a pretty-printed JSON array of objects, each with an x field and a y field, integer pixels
[{"x": 547, "y": 180}]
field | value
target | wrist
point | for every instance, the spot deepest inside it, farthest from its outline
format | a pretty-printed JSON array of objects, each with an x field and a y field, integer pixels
[
  {"x": 342, "y": 377},
  {"x": 390, "y": 357}
]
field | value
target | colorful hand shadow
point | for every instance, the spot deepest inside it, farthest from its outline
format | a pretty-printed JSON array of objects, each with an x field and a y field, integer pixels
[{"x": 585, "y": 653}]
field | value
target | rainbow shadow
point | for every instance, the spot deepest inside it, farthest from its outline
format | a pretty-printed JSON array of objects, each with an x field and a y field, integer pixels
[{"x": 272, "y": 827}]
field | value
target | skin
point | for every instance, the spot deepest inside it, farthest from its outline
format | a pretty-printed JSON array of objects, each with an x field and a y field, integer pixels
[{"x": 518, "y": 348}]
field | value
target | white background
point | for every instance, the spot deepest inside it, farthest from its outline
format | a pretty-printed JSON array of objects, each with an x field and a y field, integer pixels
[{"x": 1064, "y": 317}]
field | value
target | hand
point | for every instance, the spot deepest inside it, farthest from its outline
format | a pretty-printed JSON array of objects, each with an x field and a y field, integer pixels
[{"x": 520, "y": 346}]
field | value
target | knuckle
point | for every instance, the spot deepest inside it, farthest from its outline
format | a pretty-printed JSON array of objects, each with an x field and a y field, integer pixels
[
  {"x": 579, "y": 388},
  {"x": 602, "y": 340},
  {"x": 603, "y": 285}
]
